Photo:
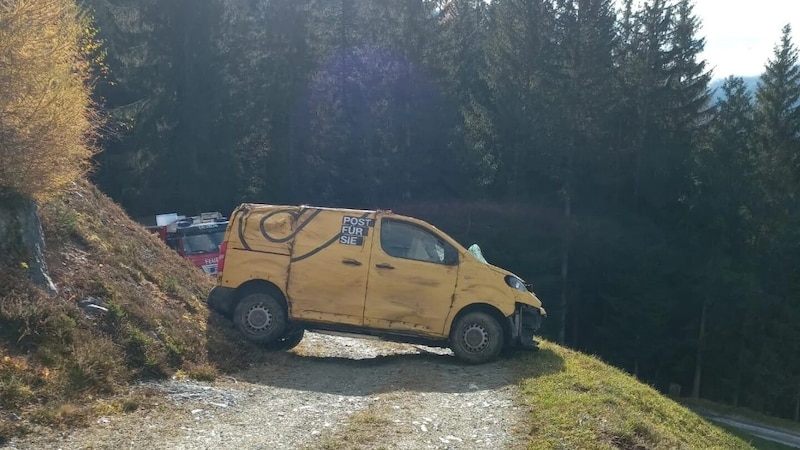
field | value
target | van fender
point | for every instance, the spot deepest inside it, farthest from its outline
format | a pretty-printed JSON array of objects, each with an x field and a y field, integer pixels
[{"x": 484, "y": 307}]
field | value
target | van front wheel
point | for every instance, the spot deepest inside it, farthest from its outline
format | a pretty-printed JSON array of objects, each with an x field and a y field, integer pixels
[
  {"x": 477, "y": 338},
  {"x": 260, "y": 318}
]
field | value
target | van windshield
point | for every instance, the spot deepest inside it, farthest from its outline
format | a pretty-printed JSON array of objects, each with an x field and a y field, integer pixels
[{"x": 476, "y": 252}]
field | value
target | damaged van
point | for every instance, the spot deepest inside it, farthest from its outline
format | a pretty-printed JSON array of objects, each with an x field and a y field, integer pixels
[{"x": 286, "y": 269}]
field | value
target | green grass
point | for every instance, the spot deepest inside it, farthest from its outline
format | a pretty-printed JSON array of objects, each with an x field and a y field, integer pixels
[{"x": 578, "y": 402}]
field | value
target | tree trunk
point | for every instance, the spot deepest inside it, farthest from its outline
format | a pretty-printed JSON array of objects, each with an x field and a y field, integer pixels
[
  {"x": 737, "y": 387},
  {"x": 575, "y": 321},
  {"x": 565, "y": 244},
  {"x": 797, "y": 408},
  {"x": 698, "y": 361},
  {"x": 701, "y": 335}
]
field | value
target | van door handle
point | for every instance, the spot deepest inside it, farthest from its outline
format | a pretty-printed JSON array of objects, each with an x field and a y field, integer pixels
[
  {"x": 384, "y": 266},
  {"x": 351, "y": 262}
]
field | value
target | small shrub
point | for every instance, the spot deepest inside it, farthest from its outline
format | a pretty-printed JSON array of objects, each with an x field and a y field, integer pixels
[
  {"x": 64, "y": 220},
  {"x": 202, "y": 372},
  {"x": 14, "y": 392},
  {"x": 171, "y": 286},
  {"x": 144, "y": 352},
  {"x": 130, "y": 405},
  {"x": 63, "y": 415},
  {"x": 97, "y": 364}
]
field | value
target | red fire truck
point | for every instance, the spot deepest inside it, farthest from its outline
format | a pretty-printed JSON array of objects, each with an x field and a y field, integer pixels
[{"x": 196, "y": 238}]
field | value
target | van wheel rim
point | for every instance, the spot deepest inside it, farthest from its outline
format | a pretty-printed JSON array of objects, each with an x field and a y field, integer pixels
[
  {"x": 258, "y": 319},
  {"x": 475, "y": 337}
]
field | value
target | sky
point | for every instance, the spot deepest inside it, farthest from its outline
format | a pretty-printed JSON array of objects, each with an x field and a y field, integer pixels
[{"x": 741, "y": 34}]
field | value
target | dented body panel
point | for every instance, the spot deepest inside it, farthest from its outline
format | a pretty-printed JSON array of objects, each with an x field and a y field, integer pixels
[
  {"x": 328, "y": 279},
  {"x": 372, "y": 271},
  {"x": 406, "y": 293}
]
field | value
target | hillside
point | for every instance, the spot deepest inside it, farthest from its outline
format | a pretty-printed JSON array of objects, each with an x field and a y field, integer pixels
[
  {"x": 61, "y": 359},
  {"x": 577, "y": 401},
  {"x": 61, "y": 366}
]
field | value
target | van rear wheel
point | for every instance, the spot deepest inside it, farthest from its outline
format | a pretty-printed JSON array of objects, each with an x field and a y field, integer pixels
[
  {"x": 477, "y": 338},
  {"x": 260, "y": 318}
]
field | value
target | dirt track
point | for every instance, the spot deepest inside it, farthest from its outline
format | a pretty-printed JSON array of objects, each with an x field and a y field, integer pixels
[
  {"x": 784, "y": 437},
  {"x": 331, "y": 392}
]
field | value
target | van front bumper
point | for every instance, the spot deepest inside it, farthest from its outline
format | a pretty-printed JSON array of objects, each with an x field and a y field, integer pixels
[{"x": 524, "y": 323}]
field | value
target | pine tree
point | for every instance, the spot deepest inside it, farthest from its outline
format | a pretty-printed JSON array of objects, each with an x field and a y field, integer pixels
[
  {"x": 518, "y": 48},
  {"x": 777, "y": 143},
  {"x": 778, "y": 119},
  {"x": 462, "y": 62},
  {"x": 723, "y": 171},
  {"x": 576, "y": 93}
]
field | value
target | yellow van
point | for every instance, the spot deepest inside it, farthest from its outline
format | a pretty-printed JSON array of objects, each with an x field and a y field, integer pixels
[{"x": 286, "y": 269}]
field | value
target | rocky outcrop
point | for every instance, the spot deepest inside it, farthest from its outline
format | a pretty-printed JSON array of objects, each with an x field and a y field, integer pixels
[{"x": 22, "y": 240}]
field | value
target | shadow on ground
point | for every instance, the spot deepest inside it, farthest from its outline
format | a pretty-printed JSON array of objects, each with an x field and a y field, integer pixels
[{"x": 359, "y": 367}]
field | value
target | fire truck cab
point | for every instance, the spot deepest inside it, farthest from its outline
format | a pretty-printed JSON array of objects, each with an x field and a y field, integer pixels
[{"x": 196, "y": 238}]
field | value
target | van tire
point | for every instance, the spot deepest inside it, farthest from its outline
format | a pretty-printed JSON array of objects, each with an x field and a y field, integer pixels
[
  {"x": 260, "y": 318},
  {"x": 477, "y": 338},
  {"x": 289, "y": 341}
]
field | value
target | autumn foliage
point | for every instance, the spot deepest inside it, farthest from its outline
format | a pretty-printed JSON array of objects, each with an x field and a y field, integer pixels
[{"x": 47, "y": 122}]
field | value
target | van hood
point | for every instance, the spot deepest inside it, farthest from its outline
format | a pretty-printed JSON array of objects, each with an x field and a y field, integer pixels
[
  {"x": 504, "y": 272},
  {"x": 533, "y": 302},
  {"x": 475, "y": 251}
]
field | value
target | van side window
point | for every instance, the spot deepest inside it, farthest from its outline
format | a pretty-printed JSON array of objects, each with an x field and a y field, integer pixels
[{"x": 404, "y": 240}]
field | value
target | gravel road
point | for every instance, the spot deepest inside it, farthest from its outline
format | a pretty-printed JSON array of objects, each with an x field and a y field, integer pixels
[
  {"x": 784, "y": 437},
  {"x": 330, "y": 392}
]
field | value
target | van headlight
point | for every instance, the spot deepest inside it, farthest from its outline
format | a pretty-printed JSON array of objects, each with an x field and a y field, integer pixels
[{"x": 516, "y": 283}]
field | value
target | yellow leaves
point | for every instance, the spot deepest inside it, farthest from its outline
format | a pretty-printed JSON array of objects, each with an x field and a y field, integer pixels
[
  {"x": 47, "y": 123},
  {"x": 23, "y": 265}
]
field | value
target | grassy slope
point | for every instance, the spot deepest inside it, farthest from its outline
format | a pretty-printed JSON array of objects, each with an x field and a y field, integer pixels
[
  {"x": 55, "y": 362},
  {"x": 578, "y": 402}
]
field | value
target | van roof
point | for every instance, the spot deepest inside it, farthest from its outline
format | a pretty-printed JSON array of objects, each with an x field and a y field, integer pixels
[{"x": 257, "y": 206}]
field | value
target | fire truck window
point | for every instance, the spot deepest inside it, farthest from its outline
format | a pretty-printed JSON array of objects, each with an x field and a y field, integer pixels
[
  {"x": 200, "y": 243},
  {"x": 218, "y": 237},
  {"x": 172, "y": 242}
]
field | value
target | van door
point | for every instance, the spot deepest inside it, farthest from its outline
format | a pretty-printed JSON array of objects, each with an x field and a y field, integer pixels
[
  {"x": 412, "y": 279},
  {"x": 329, "y": 266}
]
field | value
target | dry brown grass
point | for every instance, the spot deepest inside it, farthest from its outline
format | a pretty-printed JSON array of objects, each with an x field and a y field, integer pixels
[
  {"x": 362, "y": 430},
  {"x": 57, "y": 363}
]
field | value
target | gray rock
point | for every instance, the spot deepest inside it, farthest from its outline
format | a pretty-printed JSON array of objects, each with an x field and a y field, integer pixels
[
  {"x": 92, "y": 306},
  {"x": 21, "y": 236}
]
